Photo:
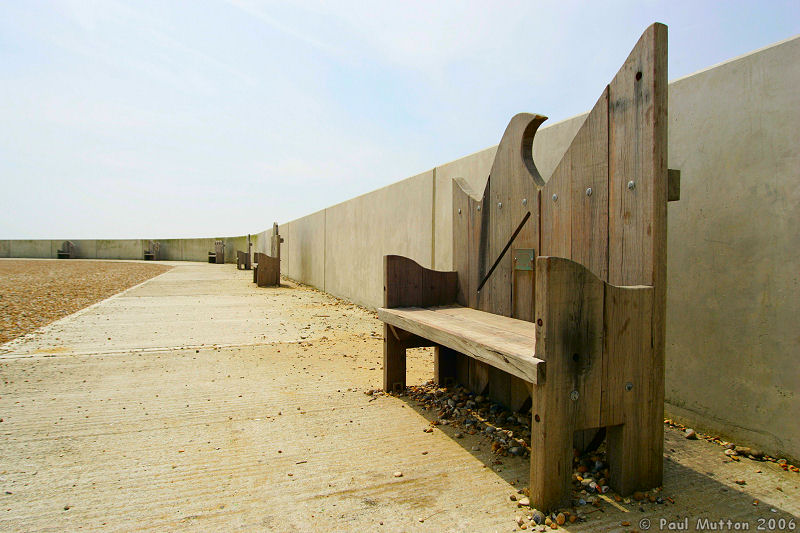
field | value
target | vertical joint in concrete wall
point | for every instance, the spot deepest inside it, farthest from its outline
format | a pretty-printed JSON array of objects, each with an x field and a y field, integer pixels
[{"x": 433, "y": 220}]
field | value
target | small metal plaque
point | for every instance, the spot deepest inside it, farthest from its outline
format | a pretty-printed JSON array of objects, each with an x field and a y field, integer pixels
[{"x": 523, "y": 258}]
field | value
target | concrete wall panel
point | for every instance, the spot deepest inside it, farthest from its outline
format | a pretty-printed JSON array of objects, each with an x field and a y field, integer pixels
[
  {"x": 120, "y": 249},
  {"x": 36, "y": 249},
  {"x": 303, "y": 252},
  {"x": 393, "y": 220},
  {"x": 734, "y": 249},
  {"x": 5, "y": 248}
]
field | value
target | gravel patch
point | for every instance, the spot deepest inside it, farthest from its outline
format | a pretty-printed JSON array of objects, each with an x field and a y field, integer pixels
[{"x": 35, "y": 293}]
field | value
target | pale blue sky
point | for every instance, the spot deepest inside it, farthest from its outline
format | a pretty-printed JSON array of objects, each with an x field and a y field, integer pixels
[{"x": 208, "y": 118}]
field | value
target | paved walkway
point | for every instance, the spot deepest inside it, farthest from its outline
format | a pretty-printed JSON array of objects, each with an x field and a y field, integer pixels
[{"x": 197, "y": 401}]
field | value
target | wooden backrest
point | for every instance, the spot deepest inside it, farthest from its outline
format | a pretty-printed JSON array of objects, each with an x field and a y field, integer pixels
[
  {"x": 275, "y": 242},
  {"x": 604, "y": 206}
]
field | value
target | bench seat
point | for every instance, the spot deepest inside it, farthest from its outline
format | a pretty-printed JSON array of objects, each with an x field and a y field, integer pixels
[{"x": 502, "y": 342}]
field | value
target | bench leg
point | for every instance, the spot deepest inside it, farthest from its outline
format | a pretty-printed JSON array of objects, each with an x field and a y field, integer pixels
[
  {"x": 394, "y": 362},
  {"x": 551, "y": 455},
  {"x": 635, "y": 457},
  {"x": 445, "y": 366}
]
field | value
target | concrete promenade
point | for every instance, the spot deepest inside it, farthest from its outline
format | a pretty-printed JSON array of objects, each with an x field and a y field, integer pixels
[{"x": 196, "y": 401}]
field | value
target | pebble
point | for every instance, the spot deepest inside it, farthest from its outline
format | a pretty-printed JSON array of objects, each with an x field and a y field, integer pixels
[
  {"x": 524, "y": 502},
  {"x": 476, "y": 448},
  {"x": 520, "y": 520},
  {"x": 560, "y": 519},
  {"x": 398, "y": 474},
  {"x": 513, "y": 497},
  {"x": 459, "y": 435},
  {"x": 538, "y": 517},
  {"x": 691, "y": 434}
]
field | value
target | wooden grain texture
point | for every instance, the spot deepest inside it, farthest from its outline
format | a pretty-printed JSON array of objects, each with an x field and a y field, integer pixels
[
  {"x": 468, "y": 334},
  {"x": 219, "y": 252},
  {"x": 268, "y": 273},
  {"x": 569, "y": 338},
  {"x": 407, "y": 283},
  {"x": 465, "y": 202},
  {"x": 445, "y": 369},
  {"x": 638, "y": 215},
  {"x": 242, "y": 260},
  {"x": 394, "y": 362},
  {"x": 632, "y": 401},
  {"x": 589, "y": 171},
  {"x": 510, "y": 195}
]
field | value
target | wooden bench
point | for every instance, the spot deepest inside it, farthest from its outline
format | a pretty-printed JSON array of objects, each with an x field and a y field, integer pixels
[
  {"x": 243, "y": 258},
  {"x": 218, "y": 255},
  {"x": 67, "y": 251},
  {"x": 151, "y": 253},
  {"x": 267, "y": 273},
  {"x": 557, "y": 298}
]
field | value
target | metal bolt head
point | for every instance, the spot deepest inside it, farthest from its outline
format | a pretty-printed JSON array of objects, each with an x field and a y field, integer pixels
[
  {"x": 459, "y": 210},
  {"x": 555, "y": 197},
  {"x": 629, "y": 386},
  {"x": 631, "y": 185},
  {"x": 574, "y": 395},
  {"x": 479, "y": 208},
  {"x": 588, "y": 191},
  {"x": 499, "y": 205},
  {"x": 524, "y": 201}
]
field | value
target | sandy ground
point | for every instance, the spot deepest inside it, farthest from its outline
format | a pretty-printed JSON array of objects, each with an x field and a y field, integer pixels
[
  {"x": 199, "y": 402},
  {"x": 35, "y": 293}
]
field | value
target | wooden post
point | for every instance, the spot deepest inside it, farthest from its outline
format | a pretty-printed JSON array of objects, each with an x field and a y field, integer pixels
[
  {"x": 394, "y": 362},
  {"x": 445, "y": 370}
]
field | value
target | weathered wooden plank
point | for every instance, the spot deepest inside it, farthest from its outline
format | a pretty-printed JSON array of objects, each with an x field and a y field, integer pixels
[
  {"x": 445, "y": 367},
  {"x": 407, "y": 283},
  {"x": 632, "y": 403},
  {"x": 463, "y": 198},
  {"x": 394, "y": 362},
  {"x": 478, "y": 376},
  {"x": 507, "y": 351},
  {"x": 589, "y": 191},
  {"x": 510, "y": 195},
  {"x": 512, "y": 325},
  {"x": 638, "y": 231},
  {"x": 637, "y": 163},
  {"x": 268, "y": 273},
  {"x": 569, "y": 309},
  {"x": 557, "y": 211}
]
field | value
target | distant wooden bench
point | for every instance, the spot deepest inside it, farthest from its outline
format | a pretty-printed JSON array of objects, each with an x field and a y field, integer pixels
[
  {"x": 218, "y": 255},
  {"x": 267, "y": 272},
  {"x": 558, "y": 295},
  {"x": 151, "y": 253},
  {"x": 67, "y": 250},
  {"x": 243, "y": 258}
]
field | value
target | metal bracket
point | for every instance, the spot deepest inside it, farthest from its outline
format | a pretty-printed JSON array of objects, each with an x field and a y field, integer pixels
[{"x": 524, "y": 258}]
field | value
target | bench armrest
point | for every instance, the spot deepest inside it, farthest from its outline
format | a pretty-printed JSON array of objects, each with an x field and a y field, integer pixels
[{"x": 408, "y": 284}]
